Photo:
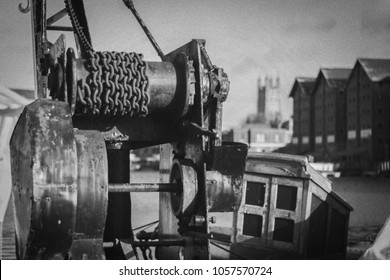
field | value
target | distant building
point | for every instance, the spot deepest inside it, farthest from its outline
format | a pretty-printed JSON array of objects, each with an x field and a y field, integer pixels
[
  {"x": 268, "y": 102},
  {"x": 329, "y": 112},
  {"x": 368, "y": 115},
  {"x": 259, "y": 137},
  {"x": 301, "y": 92},
  {"x": 262, "y": 131}
]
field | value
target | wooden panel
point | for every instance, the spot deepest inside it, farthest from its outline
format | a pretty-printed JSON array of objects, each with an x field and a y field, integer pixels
[
  {"x": 336, "y": 245},
  {"x": 331, "y": 200},
  {"x": 317, "y": 228},
  {"x": 255, "y": 210},
  {"x": 305, "y": 214},
  {"x": 247, "y": 210},
  {"x": 276, "y": 215}
]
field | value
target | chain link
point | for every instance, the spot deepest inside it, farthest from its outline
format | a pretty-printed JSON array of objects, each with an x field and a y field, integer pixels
[
  {"x": 77, "y": 26},
  {"x": 116, "y": 85}
]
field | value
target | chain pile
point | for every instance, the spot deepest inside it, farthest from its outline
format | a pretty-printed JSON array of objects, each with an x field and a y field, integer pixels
[{"x": 116, "y": 85}]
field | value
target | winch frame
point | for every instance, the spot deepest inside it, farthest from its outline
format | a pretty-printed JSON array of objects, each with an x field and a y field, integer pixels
[{"x": 183, "y": 114}]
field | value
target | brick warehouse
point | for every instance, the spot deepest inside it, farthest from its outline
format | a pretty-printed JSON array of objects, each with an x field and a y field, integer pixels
[
  {"x": 349, "y": 115},
  {"x": 329, "y": 112},
  {"x": 368, "y": 116},
  {"x": 303, "y": 121}
]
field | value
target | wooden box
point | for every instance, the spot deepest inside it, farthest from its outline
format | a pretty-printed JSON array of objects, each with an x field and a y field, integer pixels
[{"x": 289, "y": 211}]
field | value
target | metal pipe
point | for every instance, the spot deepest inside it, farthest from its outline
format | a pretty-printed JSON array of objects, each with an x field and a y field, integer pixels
[
  {"x": 143, "y": 187},
  {"x": 57, "y": 16},
  {"x": 60, "y": 28}
]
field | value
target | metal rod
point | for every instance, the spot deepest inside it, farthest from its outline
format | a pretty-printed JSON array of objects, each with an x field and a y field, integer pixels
[
  {"x": 143, "y": 187},
  {"x": 160, "y": 243},
  {"x": 57, "y": 16},
  {"x": 144, "y": 226},
  {"x": 60, "y": 28},
  {"x": 129, "y": 4}
]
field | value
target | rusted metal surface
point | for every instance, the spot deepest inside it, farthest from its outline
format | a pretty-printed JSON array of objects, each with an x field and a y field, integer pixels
[
  {"x": 162, "y": 78},
  {"x": 92, "y": 197},
  {"x": 44, "y": 176},
  {"x": 56, "y": 82},
  {"x": 185, "y": 200},
  {"x": 190, "y": 148},
  {"x": 225, "y": 180},
  {"x": 143, "y": 187},
  {"x": 119, "y": 84},
  {"x": 38, "y": 19}
]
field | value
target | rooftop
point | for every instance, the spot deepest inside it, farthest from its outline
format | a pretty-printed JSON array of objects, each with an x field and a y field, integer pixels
[
  {"x": 306, "y": 84},
  {"x": 377, "y": 69},
  {"x": 336, "y": 77}
]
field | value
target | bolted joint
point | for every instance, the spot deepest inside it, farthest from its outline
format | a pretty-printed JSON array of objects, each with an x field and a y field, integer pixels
[
  {"x": 219, "y": 84},
  {"x": 197, "y": 221}
]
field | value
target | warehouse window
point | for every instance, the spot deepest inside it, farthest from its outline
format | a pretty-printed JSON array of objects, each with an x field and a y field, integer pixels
[{"x": 260, "y": 138}]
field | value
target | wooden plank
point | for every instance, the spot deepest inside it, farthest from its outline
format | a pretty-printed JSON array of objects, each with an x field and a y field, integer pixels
[
  {"x": 255, "y": 210},
  {"x": 305, "y": 214}
]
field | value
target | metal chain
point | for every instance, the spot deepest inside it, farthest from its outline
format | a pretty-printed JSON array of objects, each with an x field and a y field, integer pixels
[
  {"x": 116, "y": 85},
  {"x": 77, "y": 26}
]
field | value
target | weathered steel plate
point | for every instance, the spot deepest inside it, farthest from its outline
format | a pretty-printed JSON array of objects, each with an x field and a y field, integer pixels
[
  {"x": 225, "y": 180},
  {"x": 92, "y": 196},
  {"x": 44, "y": 180}
]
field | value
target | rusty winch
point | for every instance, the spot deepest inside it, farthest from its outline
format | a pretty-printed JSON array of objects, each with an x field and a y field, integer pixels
[{"x": 70, "y": 148}]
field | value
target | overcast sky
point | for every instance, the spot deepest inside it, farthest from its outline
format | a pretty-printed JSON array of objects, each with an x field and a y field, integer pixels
[{"x": 248, "y": 38}]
